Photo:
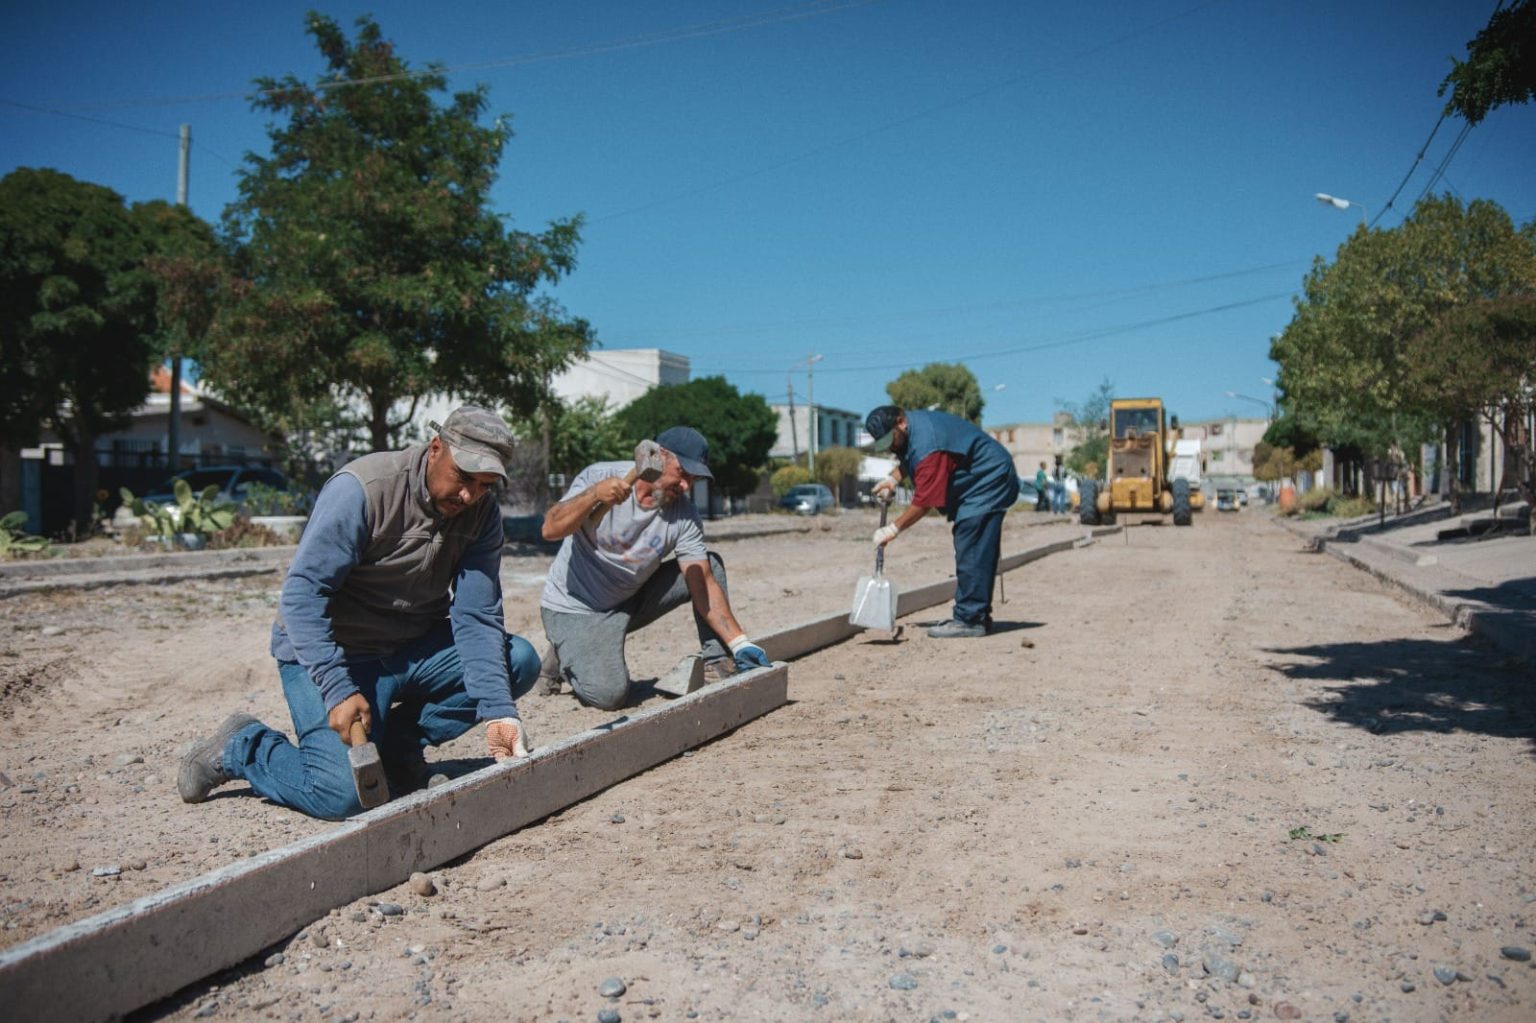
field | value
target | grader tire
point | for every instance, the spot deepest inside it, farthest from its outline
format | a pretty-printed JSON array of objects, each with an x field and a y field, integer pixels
[
  {"x": 1182, "y": 516},
  {"x": 1087, "y": 507}
]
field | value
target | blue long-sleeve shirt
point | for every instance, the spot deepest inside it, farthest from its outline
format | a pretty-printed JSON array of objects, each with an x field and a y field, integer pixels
[{"x": 334, "y": 542}]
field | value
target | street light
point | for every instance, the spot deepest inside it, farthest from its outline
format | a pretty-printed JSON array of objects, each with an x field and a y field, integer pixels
[
  {"x": 1341, "y": 204},
  {"x": 1268, "y": 411}
]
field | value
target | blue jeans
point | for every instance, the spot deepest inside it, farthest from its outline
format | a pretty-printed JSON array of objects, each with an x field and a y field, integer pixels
[
  {"x": 1058, "y": 499},
  {"x": 416, "y": 696},
  {"x": 978, "y": 546}
]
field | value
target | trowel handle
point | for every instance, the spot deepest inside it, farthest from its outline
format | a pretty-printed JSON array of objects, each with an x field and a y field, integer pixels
[{"x": 880, "y": 551}]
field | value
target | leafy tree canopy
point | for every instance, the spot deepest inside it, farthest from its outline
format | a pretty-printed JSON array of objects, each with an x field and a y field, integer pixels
[
  {"x": 371, "y": 266},
  {"x": 832, "y": 464},
  {"x": 1346, "y": 365},
  {"x": 1090, "y": 423},
  {"x": 1500, "y": 67},
  {"x": 948, "y": 387},
  {"x": 78, "y": 325},
  {"x": 581, "y": 432},
  {"x": 741, "y": 428}
]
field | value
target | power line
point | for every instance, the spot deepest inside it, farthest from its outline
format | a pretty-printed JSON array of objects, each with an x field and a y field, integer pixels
[
  {"x": 906, "y": 316},
  {"x": 111, "y": 124},
  {"x": 1092, "y": 335}
]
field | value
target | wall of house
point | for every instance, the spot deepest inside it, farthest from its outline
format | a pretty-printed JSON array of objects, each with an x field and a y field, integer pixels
[
  {"x": 837, "y": 428},
  {"x": 1029, "y": 444}
]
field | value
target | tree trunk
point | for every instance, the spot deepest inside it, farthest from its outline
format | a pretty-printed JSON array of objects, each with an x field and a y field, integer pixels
[
  {"x": 1452, "y": 461},
  {"x": 378, "y": 423},
  {"x": 1519, "y": 470},
  {"x": 10, "y": 478},
  {"x": 86, "y": 476}
]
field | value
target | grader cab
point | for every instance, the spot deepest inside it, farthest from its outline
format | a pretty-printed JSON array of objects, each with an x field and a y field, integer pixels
[{"x": 1139, "y": 470}]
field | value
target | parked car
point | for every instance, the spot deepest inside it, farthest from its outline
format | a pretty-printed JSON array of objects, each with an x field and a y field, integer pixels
[
  {"x": 808, "y": 499},
  {"x": 1027, "y": 492},
  {"x": 232, "y": 481}
]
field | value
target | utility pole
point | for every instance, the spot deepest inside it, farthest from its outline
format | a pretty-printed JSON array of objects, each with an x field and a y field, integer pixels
[
  {"x": 173, "y": 441},
  {"x": 794, "y": 432}
]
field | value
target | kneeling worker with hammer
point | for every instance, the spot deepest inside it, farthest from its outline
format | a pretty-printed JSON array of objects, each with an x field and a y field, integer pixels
[
  {"x": 618, "y": 521},
  {"x": 389, "y": 636}
]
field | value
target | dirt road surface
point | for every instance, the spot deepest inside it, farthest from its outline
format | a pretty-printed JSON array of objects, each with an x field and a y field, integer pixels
[{"x": 1195, "y": 774}]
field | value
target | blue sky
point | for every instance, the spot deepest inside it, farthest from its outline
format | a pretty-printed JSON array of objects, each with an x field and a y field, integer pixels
[{"x": 1054, "y": 194}]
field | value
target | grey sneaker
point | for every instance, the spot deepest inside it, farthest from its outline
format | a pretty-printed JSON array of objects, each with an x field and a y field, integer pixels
[
  {"x": 956, "y": 629},
  {"x": 202, "y": 769}
]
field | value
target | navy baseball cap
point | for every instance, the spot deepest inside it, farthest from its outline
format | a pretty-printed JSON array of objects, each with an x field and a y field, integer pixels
[
  {"x": 690, "y": 449},
  {"x": 880, "y": 424}
]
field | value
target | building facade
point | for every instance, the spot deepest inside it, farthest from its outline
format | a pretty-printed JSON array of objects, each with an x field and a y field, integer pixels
[
  {"x": 834, "y": 428},
  {"x": 1029, "y": 444}
]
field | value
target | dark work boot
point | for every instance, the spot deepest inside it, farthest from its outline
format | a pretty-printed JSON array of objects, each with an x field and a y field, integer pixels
[{"x": 202, "y": 769}]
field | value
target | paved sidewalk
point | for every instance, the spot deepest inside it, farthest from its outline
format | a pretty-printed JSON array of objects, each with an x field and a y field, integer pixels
[{"x": 1480, "y": 572}]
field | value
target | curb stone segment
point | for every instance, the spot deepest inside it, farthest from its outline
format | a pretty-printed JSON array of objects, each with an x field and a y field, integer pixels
[
  {"x": 128, "y": 957},
  {"x": 1424, "y": 579},
  {"x": 133, "y": 955}
]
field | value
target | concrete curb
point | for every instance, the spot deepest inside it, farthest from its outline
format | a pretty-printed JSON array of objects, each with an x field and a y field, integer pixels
[
  {"x": 1513, "y": 632},
  {"x": 128, "y": 957},
  {"x": 108, "y": 965}
]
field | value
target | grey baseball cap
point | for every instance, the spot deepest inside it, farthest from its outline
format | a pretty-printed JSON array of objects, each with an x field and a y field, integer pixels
[{"x": 478, "y": 439}]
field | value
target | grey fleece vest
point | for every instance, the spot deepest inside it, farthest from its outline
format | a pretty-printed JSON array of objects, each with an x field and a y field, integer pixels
[{"x": 400, "y": 588}]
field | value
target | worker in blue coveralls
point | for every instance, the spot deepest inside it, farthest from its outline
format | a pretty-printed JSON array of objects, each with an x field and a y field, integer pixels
[{"x": 960, "y": 471}]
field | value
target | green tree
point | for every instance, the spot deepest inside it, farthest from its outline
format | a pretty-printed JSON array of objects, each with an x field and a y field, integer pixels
[
  {"x": 1346, "y": 366},
  {"x": 1090, "y": 424},
  {"x": 77, "y": 315},
  {"x": 832, "y": 464},
  {"x": 371, "y": 266},
  {"x": 1500, "y": 67},
  {"x": 741, "y": 428},
  {"x": 949, "y": 387},
  {"x": 1479, "y": 360},
  {"x": 580, "y": 432}
]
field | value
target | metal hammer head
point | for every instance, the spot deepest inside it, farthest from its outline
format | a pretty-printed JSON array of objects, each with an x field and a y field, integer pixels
[
  {"x": 367, "y": 769},
  {"x": 649, "y": 461}
]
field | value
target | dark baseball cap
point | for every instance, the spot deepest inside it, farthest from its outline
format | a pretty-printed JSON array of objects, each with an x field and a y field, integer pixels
[
  {"x": 478, "y": 439},
  {"x": 690, "y": 448},
  {"x": 880, "y": 424}
]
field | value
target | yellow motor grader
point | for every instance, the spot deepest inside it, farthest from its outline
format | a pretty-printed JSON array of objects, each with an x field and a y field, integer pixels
[{"x": 1148, "y": 468}]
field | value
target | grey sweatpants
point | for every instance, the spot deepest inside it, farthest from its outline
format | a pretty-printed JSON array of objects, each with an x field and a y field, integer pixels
[{"x": 590, "y": 647}]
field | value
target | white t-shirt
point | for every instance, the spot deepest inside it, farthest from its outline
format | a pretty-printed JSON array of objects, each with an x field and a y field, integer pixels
[{"x": 599, "y": 567}]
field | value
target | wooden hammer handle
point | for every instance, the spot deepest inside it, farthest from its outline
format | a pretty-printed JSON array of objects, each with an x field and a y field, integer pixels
[
  {"x": 357, "y": 735},
  {"x": 598, "y": 512}
]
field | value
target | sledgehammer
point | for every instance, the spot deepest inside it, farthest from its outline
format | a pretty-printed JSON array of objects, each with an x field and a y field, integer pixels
[
  {"x": 648, "y": 466},
  {"x": 367, "y": 768}
]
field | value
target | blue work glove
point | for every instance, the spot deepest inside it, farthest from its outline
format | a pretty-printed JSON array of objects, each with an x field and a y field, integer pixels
[{"x": 748, "y": 654}]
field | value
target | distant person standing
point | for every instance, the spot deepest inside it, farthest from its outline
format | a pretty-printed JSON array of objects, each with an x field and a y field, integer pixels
[
  {"x": 1059, "y": 490},
  {"x": 1041, "y": 487},
  {"x": 969, "y": 476}
]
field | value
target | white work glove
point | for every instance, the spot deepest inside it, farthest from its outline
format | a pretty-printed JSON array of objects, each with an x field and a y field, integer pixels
[
  {"x": 747, "y": 654},
  {"x": 884, "y": 490},
  {"x": 507, "y": 737},
  {"x": 885, "y": 534}
]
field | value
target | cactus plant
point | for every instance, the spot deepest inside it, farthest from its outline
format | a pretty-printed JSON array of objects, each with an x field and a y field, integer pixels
[
  {"x": 15, "y": 540},
  {"x": 201, "y": 514}
]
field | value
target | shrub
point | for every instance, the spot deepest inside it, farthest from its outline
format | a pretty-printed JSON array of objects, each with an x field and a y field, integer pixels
[
  {"x": 245, "y": 533},
  {"x": 260, "y": 499},
  {"x": 787, "y": 477}
]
